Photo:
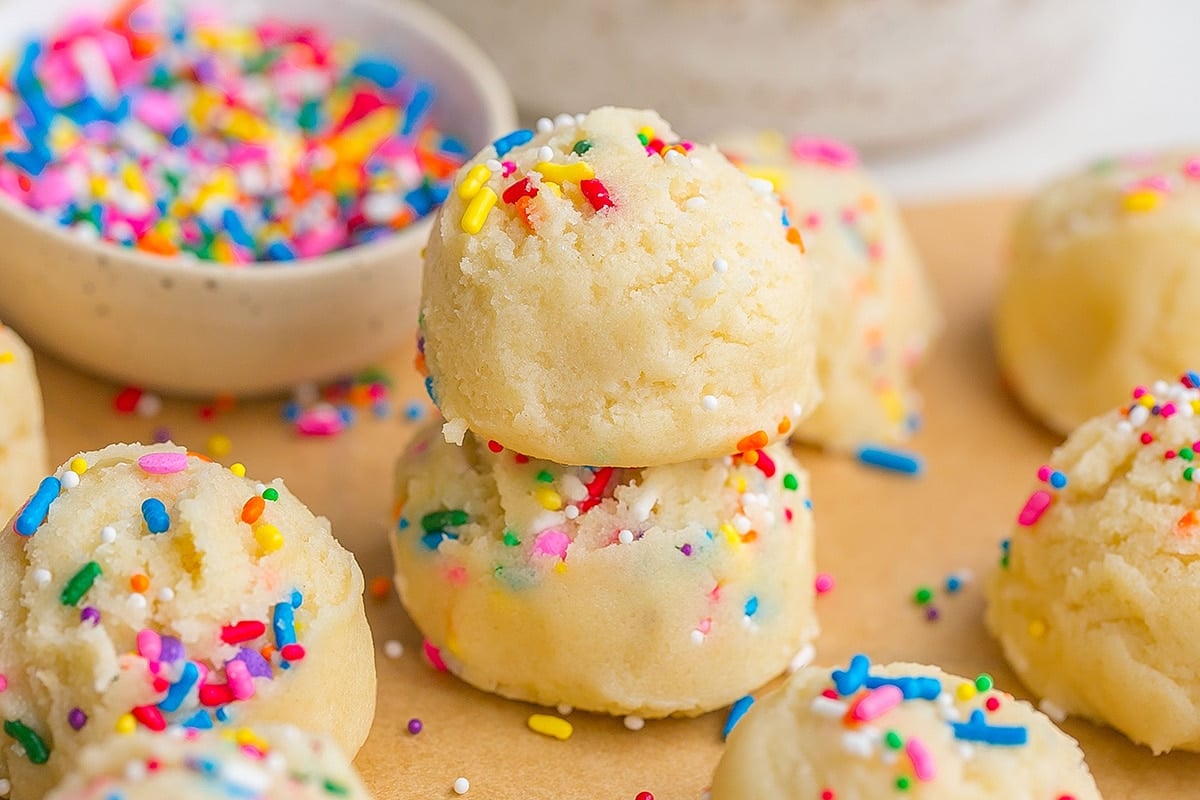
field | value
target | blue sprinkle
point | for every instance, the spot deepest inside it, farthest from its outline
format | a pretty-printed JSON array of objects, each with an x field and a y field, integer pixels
[
  {"x": 808, "y": 503},
  {"x": 418, "y": 107},
  {"x": 429, "y": 389},
  {"x": 35, "y": 511},
  {"x": 381, "y": 409},
  {"x": 180, "y": 136},
  {"x": 1193, "y": 379},
  {"x": 404, "y": 523},
  {"x": 784, "y": 219},
  {"x": 378, "y": 71},
  {"x": 223, "y": 714},
  {"x": 297, "y": 599},
  {"x": 347, "y": 415},
  {"x": 434, "y": 539},
  {"x": 236, "y": 229},
  {"x": 419, "y": 201},
  {"x": 28, "y": 161},
  {"x": 752, "y": 606},
  {"x": 976, "y": 729},
  {"x": 953, "y": 584},
  {"x": 200, "y": 720},
  {"x": 179, "y": 690},
  {"x": 913, "y": 688},
  {"x": 285, "y": 665},
  {"x": 736, "y": 712},
  {"x": 439, "y": 191},
  {"x": 291, "y": 411},
  {"x": 85, "y": 112},
  {"x": 206, "y": 766},
  {"x": 1057, "y": 479},
  {"x": 283, "y": 622},
  {"x": 851, "y": 679},
  {"x": 155, "y": 514},
  {"x": 455, "y": 146},
  {"x": 278, "y": 251},
  {"x": 514, "y": 139},
  {"x": 414, "y": 411},
  {"x": 893, "y": 460}
]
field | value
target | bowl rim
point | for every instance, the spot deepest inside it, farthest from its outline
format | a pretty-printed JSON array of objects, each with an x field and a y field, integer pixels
[{"x": 498, "y": 110}]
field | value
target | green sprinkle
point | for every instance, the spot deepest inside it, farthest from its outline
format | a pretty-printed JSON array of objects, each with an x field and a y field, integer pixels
[
  {"x": 510, "y": 539},
  {"x": 984, "y": 682},
  {"x": 271, "y": 494},
  {"x": 1187, "y": 473},
  {"x": 645, "y": 140},
  {"x": 336, "y": 788},
  {"x": 545, "y": 477},
  {"x": 1186, "y": 454},
  {"x": 582, "y": 146},
  {"x": 439, "y": 520},
  {"x": 35, "y": 747},
  {"x": 903, "y": 782},
  {"x": 923, "y": 595},
  {"x": 893, "y": 740},
  {"x": 79, "y": 584},
  {"x": 790, "y": 482}
]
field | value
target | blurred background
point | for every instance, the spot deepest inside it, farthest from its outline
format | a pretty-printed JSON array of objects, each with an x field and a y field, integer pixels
[{"x": 944, "y": 97}]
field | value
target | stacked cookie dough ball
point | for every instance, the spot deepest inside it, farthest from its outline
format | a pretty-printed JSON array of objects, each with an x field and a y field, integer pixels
[
  {"x": 22, "y": 442},
  {"x": 616, "y": 325}
]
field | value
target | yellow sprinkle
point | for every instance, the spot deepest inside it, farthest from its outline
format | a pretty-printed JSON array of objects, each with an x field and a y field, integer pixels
[
  {"x": 560, "y": 567},
  {"x": 268, "y": 537},
  {"x": 893, "y": 405},
  {"x": 549, "y": 725},
  {"x": 7, "y": 357},
  {"x": 219, "y": 445},
  {"x": 1148, "y": 400},
  {"x": 238, "y": 469},
  {"x": 965, "y": 691},
  {"x": 776, "y": 177},
  {"x": 646, "y": 131},
  {"x": 1196, "y": 406},
  {"x": 359, "y": 140},
  {"x": 560, "y": 173},
  {"x": 1037, "y": 628},
  {"x": 245, "y": 737},
  {"x": 548, "y": 498},
  {"x": 1141, "y": 200},
  {"x": 98, "y": 186},
  {"x": 242, "y": 124},
  {"x": 730, "y": 533},
  {"x": 79, "y": 465},
  {"x": 554, "y": 188},
  {"x": 126, "y": 724},
  {"x": 771, "y": 141},
  {"x": 474, "y": 181},
  {"x": 478, "y": 209}
]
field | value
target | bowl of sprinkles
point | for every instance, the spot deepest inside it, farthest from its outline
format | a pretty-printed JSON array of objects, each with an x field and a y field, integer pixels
[{"x": 228, "y": 197}]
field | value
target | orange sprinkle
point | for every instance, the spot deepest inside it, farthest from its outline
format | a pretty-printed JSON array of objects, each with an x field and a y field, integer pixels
[
  {"x": 381, "y": 587},
  {"x": 785, "y": 425},
  {"x": 253, "y": 509},
  {"x": 755, "y": 441},
  {"x": 749, "y": 536},
  {"x": 155, "y": 242},
  {"x": 266, "y": 651},
  {"x": 139, "y": 583},
  {"x": 527, "y": 214},
  {"x": 224, "y": 402},
  {"x": 1186, "y": 525},
  {"x": 420, "y": 366},
  {"x": 750, "y": 457},
  {"x": 795, "y": 238},
  {"x": 201, "y": 456}
]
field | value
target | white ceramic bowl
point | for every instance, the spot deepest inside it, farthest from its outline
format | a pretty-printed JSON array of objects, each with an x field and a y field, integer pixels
[{"x": 199, "y": 329}]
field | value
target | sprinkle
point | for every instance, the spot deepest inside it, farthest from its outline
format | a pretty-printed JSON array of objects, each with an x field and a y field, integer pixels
[
  {"x": 126, "y": 724},
  {"x": 151, "y": 717},
  {"x": 643, "y": 796},
  {"x": 238, "y": 468},
  {"x": 565, "y": 173},
  {"x": 434, "y": 655},
  {"x": 41, "y": 576},
  {"x": 596, "y": 193},
  {"x": 720, "y": 266},
  {"x": 415, "y": 726},
  {"x": 851, "y": 679},
  {"x": 179, "y": 690},
  {"x": 219, "y": 445},
  {"x": 709, "y": 402},
  {"x": 1034, "y": 507},
  {"x": 473, "y": 181},
  {"x": 922, "y": 595},
  {"x": 393, "y": 649},
  {"x": 70, "y": 480},
  {"x": 461, "y": 785},
  {"x": 283, "y": 624},
  {"x": 268, "y": 537},
  {"x": 549, "y": 725},
  {"x": 736, "y": 712},
  {"x": 76, "y": 718},
  {"x": 876, "y": 703},
  {"x": 625, "y": 536},
  {"x": 90, "y": 614},
  {"x": 108, "y": 534},
  {"x": 755, "y": 441},
  {"x": 824, "y": 583},
  {"x": 162, "y": 463},
  {"x": 139, "y": 582},
  {"x": 38, "y": 507},
  {"x": 79, "y": 584},
  {"x": 634, "y": 723},
  {"x": 155, "y": 515},
  {"x": 245, "y": 630},
  {"x": 976, "y": 729},
  {"x": 514, "y": 139},
  {"x": 477, "y": 210},
  {"x": 253, "y": 509},
  {"x": 891, "y": 460},
  {"x": 35, "y": 747}
]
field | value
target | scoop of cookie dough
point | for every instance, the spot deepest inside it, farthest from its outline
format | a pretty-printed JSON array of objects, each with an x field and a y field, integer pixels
[
  {"x": 1097, "y": 601},
  {"x": 22, "y": 441},
  {"x": 876, "y": 312},
  {"x": 142, "y": 587},
  {"x": 897, "y": 730},
  {"x": 656, "y": 591},
  {"x": 1103, "y": 274},
  {"x": 605, "y": 293},
  {"x": 264, "y": 762}
]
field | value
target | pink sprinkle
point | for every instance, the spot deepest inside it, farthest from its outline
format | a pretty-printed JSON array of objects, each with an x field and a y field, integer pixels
[
  {"x": 1044, "y": 473},
  {"x": 237, "y": 675},
  {"x": 1035, "y": 506},
  {"x": 829, "y": 152},
  {"x": 320, "y": 420},
  {"x": 705, "y": 626},
  {"x": 812, "y": 220},
  {"x": 1191, "y": 168},
  {"x": 158, "y": 110},
  {"x": 921, "y": 760},
  {"x": 1146, "y": 438},
  {"x": 824, "y": 583},
  {"x": 163, "y": 463},
  {"x": 3, "y": 683},
  {"x": 551, "y": 543},
  {"x": 1158, "y": 183},
  {"x": 434, "y": 655},
  {"x": 149, "y": 644},
  {"x": 1167, "y": 410},
  {"x": 1138, "y": 391},
  {"x": 877, "y": 702},
  {"x": 509, "y": 167}
]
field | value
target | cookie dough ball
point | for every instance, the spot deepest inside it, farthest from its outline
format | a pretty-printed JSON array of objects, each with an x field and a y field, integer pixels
[
  {"x": 655, "y": 591},
  {"x": 876, "y": 312},
  {"x": 898, "y": 730},
  {"x": 22, "y": 441},
  {"x": 142, "y": 587},
  {"x": 604, "y": 293},
  {"x": 1104, "y": 272},
  {"x": 268, "y": 762},
  {"x": 1097, "y": 601}
]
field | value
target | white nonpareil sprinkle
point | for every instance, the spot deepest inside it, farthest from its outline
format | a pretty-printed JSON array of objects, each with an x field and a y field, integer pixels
[
  {"x": 857, "y": 744},
  {"x": 697, "y": 637},
  {"x": 137, "y": 601},
  {"x": 571, "y": 512},
  {"x": 709, "y": 402},
  {"x": 824, "y": 706},
  {"x": 393, "y": 648},
  {"x": 803, "y": 658},
  {"x": 148, "y": 405},
  {"x": 545, "y": 153},
  {"x": 493, "y": 165},
  {"x": 564, "y": 121},
  {"x": 135, "y": 771},
  {"x": 742, "y": 524},
  {"x": 675, "y": 158},
  {"x": 166, "y": 594},
  {"x": 634, "y": 723},
  {"x": 564, "y": 709},
  {"x": 720, "y": 265},
  {"x": 1052, "y": 710},
  {"x": 461, "y": 785},
  {"x": 544, "y": 125},
  {"x": 108, "y": 534},
  {"x": 70, "y": 479},
  {"x": 41, "y": 576},
  {"x": 625, "y": 536},
  {"x": 5, "y": 786},
  {"x": 694, "y": 203},
  {"x": 762, "y": 185}
]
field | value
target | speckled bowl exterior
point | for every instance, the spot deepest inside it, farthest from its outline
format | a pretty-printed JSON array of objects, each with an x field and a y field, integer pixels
[{"x": 198, "y": 329}]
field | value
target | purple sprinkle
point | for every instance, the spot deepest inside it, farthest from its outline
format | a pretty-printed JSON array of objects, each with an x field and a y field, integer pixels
[
  {"x": 162, "y": 435},
  {"x": 172, "y": 650},
  {"x": 76, "y": 718},
  {"x": 256, "y": 665},
  {"x": 414, "y": 726},
  {"x": 90, "y": 614},
  {"x": 932, "y": 614},
  {"x": 686, "y": 549}
]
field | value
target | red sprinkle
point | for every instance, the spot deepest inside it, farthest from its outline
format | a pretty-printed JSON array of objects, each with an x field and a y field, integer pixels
[
  {"x": 495, "y": 446},
  {"x": 596, "y": 193},
  {"x": 434, "y": 655},
  {"x": 127, "y": 399},
  {"x": 151, "y": 717},
  {"x": 992, "y": 703},
  {"x": 1146, "y": 438},
  {"x": 522, "y": 188},
  {"x": 765, "y": 464},
  {"x": 643, "y": 796},
  {"x": 292, "y": 652},
  {"x": 242, "y": 631},
  {"x": 1035, "y": 506},
  {"x": 161, "y": 685},
  {"x": 215, "y": 694}
]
